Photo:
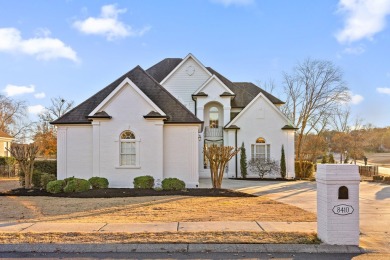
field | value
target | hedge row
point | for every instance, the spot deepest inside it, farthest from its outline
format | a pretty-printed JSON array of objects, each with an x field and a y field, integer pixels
[{"x": 73, "y": 184}]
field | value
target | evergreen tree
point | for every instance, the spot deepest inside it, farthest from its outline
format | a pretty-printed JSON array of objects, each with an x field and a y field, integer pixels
[
  {"x": 283, "y": 164},
  {"x": 331, "y": 158},
  {"x": 324, "y": 159},
  {"x": 243, "y": 163}
]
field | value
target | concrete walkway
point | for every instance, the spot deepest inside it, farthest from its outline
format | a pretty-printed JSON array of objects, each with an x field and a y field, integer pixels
[{"x": 253, "y": 226}]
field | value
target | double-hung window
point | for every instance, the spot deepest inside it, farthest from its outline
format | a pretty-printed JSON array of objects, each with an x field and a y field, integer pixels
[
  {"x": 260, "y": 150},
  {"x": 128, "y": 149}
]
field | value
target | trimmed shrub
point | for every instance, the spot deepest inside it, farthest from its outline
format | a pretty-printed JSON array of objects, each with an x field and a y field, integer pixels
[
  {"x": 46, "y": 178},
  {"x": 98, "y": 183},
  {"x": 55, "y": 186},
  {"x": 77, "y": 185},
  {"x": 386, "y": 179},
  {"x": 46, "y": 166},
  {"x": 143, "y": 182},
  {"x": 378, "y": 178},
  {"x": 306, "y": 172},
  {"x": 36, "y": 179},
  {"x": 173, "y": 184},
  {"x": 69, "y": 179}
]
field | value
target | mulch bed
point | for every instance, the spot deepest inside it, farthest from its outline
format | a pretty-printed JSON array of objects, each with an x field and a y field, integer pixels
[
  {"x": 261, "y": 179},
  {"x": 127, "y": 192}
]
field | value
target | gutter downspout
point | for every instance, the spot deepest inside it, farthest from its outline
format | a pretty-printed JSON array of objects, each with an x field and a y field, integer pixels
[{"x": 235, "y": 143}]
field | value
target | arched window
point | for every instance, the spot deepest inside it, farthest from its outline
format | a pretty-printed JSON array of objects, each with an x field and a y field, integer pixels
[
  {"x": 214, "y": 117},
  {"x": 261, "y": 150},
  {"x": 260, "y": 140},
  {"x": 128, "y": 149},
  {"x": 127, "y": 135}
]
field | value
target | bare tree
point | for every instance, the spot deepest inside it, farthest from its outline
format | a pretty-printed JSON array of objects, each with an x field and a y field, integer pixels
[
  {"x": 262, "y": 166},
  {"x": 45, "y": 135},
  {"x": 59, "y": 106},
  {"x": 25, "y": 155},
  {"x": 340, "y": 119},
  {"x": 13, "y": 117},
  {"x": 218, "y": 157},
  {"x": 314, "y": 90}
]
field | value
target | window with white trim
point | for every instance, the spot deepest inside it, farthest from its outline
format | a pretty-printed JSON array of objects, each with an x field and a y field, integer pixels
[
  {"x": 128, "y": 149},
  {"x": 260, "y": 150}
]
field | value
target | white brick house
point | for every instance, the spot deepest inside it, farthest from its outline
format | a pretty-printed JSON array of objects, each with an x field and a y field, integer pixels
[{"x": 156, "y": 122}]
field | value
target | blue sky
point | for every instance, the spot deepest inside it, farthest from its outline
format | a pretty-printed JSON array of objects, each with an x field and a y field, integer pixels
[{"x": 75, "y": 48}]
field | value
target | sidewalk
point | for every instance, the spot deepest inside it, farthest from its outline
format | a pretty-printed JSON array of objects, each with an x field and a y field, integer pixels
[
  {"x": 210, "y": 226},
  {"x": 253, "y": 226}
]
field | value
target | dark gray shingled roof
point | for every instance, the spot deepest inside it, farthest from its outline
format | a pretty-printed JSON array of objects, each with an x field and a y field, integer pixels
[
  {"x": 255, "y": 90},
  {"x": 176, "y": 112},
  {"x": 160, "y": 70},
  {"x": 245, "y": 91},
  {"x": 242, "y": 98}
]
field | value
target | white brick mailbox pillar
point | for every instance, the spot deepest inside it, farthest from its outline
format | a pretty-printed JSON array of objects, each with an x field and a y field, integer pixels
[{"x": 338, "y": 203}]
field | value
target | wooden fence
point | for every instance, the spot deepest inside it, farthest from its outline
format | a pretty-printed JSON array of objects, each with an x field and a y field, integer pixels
[
  {"x": 368, "y": 171},
  {"x": 8, "y": 171}
]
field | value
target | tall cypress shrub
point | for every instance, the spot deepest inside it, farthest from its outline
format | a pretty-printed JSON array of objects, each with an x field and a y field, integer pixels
[
  {"x": 243, "y": 163},
  {"x": 283, "y": 164}
]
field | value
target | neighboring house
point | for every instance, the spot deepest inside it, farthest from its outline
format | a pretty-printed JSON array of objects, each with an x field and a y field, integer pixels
[
  {"x": 156, "y": 122},
  {"x": 5, "y": 143}
]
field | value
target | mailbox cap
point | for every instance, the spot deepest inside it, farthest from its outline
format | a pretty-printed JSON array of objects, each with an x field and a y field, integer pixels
[{"x": 338, "y": 172}]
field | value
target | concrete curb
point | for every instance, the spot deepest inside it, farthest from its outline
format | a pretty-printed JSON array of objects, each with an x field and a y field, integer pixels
[{"x": 163, "y": 248}]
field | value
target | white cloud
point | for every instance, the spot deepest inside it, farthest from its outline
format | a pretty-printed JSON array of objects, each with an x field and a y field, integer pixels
[
  {"x": 356, "y": 99},
  {"x": 354, "y": 50},
  {"x": 41, "y": 47},
  {"x": 35, "y": 109},
  {"x": 13, "y": 90},
  {"x": 363, "y": 19},
  {"x": 108, "y": 25},
  {"x": 383, "y": 90},
  {"x": 40, "y": 95},
  {"x": 234, "y": 2}
]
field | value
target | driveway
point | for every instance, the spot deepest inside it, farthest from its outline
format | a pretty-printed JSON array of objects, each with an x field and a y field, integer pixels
[{"x": 374, "y": 204}]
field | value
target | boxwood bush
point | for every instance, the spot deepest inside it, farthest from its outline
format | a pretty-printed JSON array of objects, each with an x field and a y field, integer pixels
[
  {"x": 143, "y": 182},
  {"x": 46, "y": 178},
  {"x": 77, "y": 185},
  {"x": 55, "y": 186},
  {"x": 41, "y": 179},
  {"x": 98, "y": 182},
  {"x": 173, "y": 184}
]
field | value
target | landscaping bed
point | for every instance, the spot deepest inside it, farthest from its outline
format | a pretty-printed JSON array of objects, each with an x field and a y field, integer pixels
[
  {"x": 127, "y": 192},
  {"x": 261, "y": 179}
]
